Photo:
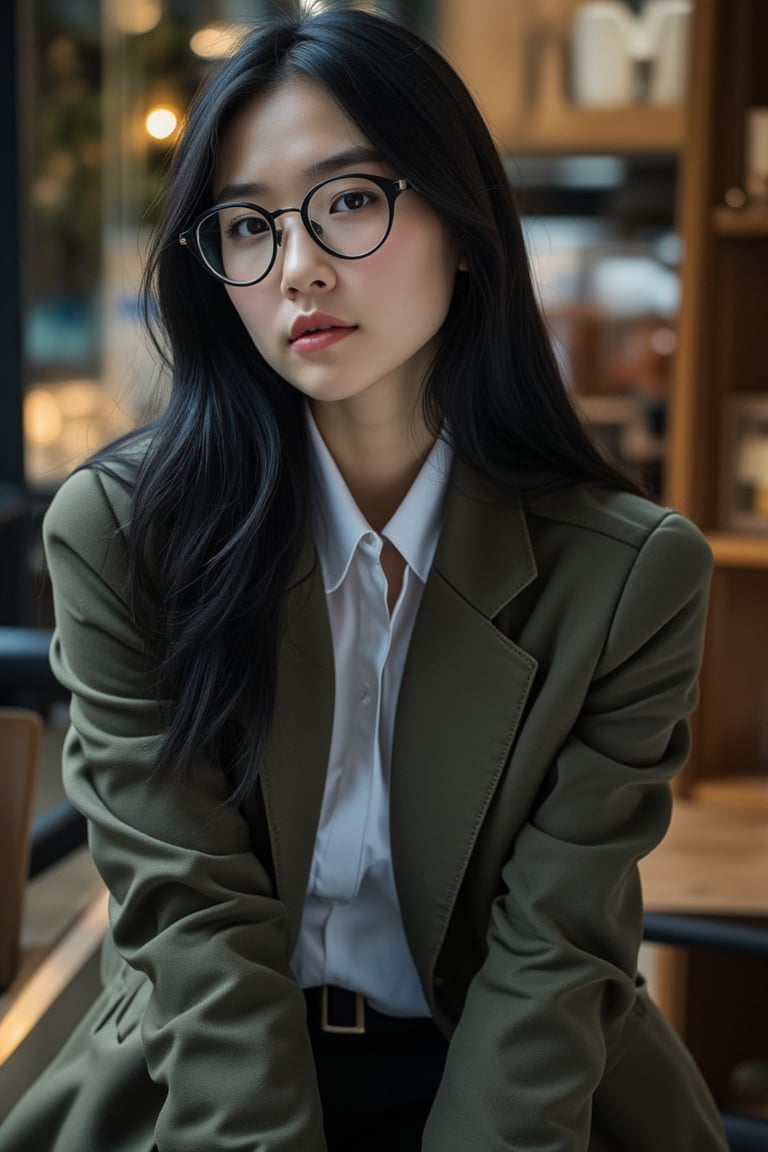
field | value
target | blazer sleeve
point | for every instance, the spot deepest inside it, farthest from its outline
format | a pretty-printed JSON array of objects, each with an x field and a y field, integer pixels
[
  {"x": 191, "y": 905},
  {"x": 545, "y": 1014}
]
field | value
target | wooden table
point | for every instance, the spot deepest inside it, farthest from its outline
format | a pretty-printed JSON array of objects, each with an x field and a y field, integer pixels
[
  {"x": 712, "y": 862},
  {"x": 708, "y": 882},
  {"x": 65, "y": 920}
]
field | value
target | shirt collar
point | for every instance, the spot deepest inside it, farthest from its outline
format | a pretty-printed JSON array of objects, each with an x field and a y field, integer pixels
[{"x": 339, "y": 525}]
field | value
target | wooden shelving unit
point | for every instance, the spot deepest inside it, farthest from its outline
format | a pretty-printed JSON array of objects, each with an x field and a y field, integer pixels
[
  {"x": 722, "y": 334},
  {"x": 513, "y": 55},
  {"x": 722, "y": 331}
]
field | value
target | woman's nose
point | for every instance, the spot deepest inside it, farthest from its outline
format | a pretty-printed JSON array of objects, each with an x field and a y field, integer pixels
[{"x": 303, "y": 263}]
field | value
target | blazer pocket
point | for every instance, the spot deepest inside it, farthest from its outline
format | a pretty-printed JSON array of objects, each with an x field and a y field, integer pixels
[
  {"x": 634, "y": 1019},
  {"x": 133, "y": 1007},
  {"x": 109, "y": 1003}
]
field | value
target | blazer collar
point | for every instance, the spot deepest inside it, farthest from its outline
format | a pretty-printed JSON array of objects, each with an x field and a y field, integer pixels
[{"x": 484, "y": 551}]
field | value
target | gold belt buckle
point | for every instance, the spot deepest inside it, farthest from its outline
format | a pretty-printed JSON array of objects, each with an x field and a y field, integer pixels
[{"x": 356, "y": 1029}]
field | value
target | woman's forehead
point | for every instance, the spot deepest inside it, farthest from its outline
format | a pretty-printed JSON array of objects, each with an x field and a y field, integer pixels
[{"x": 297, "y": 130}]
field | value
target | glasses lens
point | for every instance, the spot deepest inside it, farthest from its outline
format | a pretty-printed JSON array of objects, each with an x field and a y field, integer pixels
[
  {"x": 237, "y": 242},
  {"x": 351, "y": 215}
]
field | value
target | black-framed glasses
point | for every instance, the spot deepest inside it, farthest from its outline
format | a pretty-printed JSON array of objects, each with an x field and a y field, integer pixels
[{"x": 348, "y": 216}]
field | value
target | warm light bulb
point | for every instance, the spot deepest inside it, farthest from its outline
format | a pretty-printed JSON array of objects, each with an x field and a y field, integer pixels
[{"x": 161, "y": 123}]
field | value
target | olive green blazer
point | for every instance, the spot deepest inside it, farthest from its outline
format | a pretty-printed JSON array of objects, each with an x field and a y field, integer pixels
[{"x": 541, "y": 718}]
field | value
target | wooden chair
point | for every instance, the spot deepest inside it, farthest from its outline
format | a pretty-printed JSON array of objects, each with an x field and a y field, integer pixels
[
  {"x": 19, "y": 750},
  {"x": 27, "y": 681}
]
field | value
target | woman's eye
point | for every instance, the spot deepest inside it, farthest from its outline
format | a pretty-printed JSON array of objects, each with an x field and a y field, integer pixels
[
  {"x": 247, "y": 227},
  {"x": 351, "y": 201}
]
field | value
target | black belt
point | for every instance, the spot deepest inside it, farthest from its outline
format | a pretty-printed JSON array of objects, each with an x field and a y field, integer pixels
[{"x": 337, "y": 1010}]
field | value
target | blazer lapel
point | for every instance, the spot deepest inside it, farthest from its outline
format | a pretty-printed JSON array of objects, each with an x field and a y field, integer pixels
[{"x": 464, "y": 689}]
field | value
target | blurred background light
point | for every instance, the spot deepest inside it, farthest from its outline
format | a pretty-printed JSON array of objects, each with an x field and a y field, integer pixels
[
  {"x": 135, "y": 16},
  {"x": 161, "y": 123},
  {"x": 217, "y": 40},
  {"x": 42, "y": 418}
]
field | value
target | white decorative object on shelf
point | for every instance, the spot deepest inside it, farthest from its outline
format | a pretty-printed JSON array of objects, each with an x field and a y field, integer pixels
[
  {"x": 620, "y": 58},
  {"x": 602, "y": 73},
  {"x": 669, "y": 25}
]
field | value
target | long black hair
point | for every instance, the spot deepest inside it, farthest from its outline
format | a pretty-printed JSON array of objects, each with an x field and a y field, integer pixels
[{"x": 221, "y": 498}]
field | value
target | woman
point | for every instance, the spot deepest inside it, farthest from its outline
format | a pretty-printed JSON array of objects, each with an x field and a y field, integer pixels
[{"x": 380, "y": 672}]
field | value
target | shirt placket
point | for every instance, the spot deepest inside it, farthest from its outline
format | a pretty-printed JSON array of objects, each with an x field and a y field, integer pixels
[{"x": 350, "y": 841}]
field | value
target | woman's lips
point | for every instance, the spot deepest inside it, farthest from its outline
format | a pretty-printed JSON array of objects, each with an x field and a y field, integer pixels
[{"x": 320, "y": 338}]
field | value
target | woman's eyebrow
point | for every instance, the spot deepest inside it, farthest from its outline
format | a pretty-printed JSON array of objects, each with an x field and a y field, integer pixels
[{"x": 358, "y": 154}]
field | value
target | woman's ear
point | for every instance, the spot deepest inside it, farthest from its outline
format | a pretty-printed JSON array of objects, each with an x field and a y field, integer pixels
[{"x": 462, "y": 265}]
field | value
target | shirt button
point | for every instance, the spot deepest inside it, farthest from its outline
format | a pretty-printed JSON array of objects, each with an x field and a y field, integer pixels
[{"x": 365, "y": 695}]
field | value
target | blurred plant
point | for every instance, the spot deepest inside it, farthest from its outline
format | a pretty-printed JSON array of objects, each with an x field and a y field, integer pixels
[{"x": 66, "y": 199}]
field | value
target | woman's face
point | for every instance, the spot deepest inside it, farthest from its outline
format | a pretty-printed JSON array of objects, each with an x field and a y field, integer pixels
[{"x": 384, "y": 310}]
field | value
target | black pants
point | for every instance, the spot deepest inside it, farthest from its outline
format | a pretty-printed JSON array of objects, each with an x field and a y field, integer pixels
[{"x": 377, "y": 1088}]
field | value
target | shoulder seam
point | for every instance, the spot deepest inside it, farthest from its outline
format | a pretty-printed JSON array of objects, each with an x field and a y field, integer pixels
[{"x": 634, "y": 535}]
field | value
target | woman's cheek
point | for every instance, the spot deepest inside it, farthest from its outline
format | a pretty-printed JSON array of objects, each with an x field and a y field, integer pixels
[{"x": 254, "y": 318}]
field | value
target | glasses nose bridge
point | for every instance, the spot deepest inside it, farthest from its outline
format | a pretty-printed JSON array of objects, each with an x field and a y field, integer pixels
[{"x": 279, "y": 230}]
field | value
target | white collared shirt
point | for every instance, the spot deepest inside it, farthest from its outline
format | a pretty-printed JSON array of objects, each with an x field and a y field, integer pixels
[{"x": 352, "y": 932}]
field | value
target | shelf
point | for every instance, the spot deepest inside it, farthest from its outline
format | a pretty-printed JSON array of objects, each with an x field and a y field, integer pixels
[
  {"x": 565, "y": 128},
  {"x": 732, "y": 791},
  {"x": 747, "y": 221},
  {"x": 739, "y": 550}
]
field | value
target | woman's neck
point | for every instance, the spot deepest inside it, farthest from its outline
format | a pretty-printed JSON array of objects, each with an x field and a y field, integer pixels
[{"x": 379, "y": 455}]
